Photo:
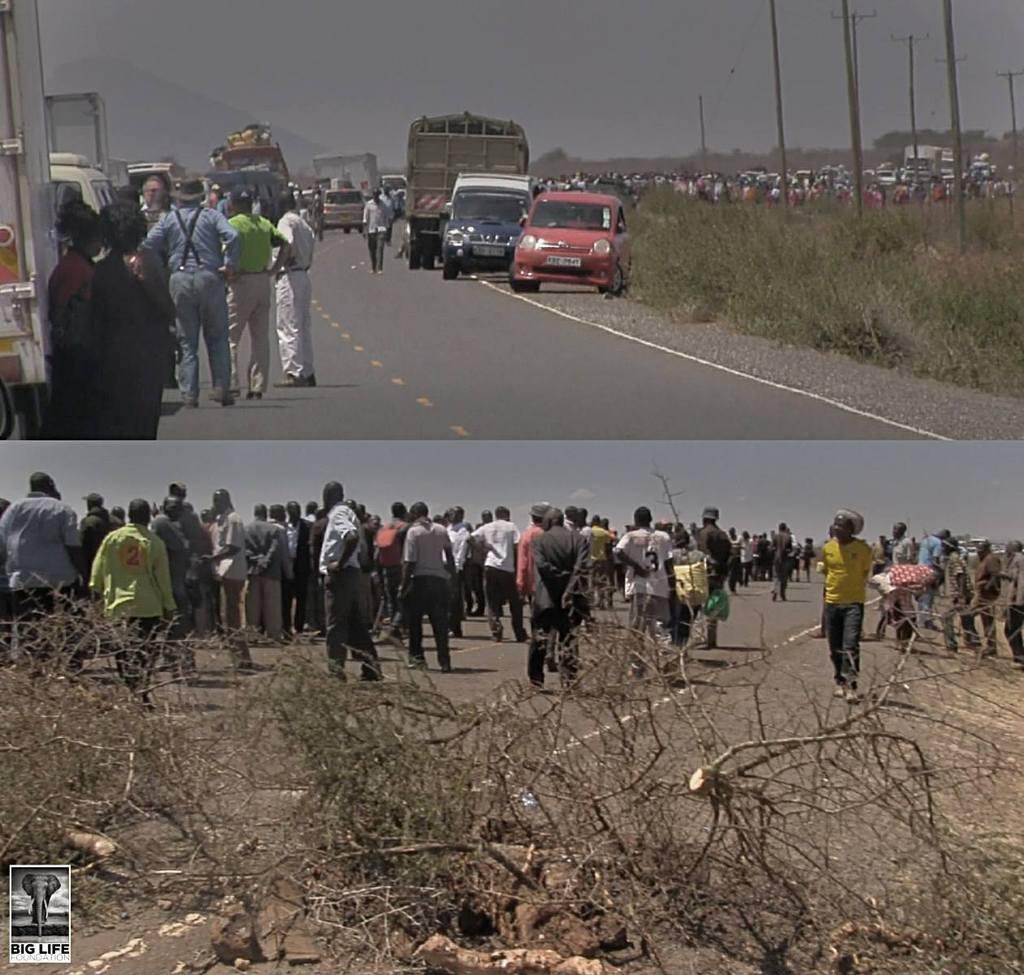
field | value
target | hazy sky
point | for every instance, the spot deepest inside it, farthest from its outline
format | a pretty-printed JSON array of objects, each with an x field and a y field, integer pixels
[
  {"x": 599, "y": 77},
  {"x": 969, "y": 487}
]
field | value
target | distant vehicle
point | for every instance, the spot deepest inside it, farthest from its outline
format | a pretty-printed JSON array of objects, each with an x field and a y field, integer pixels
[
  {"x": 573, "y": 238},
  {"x": 928, "y": 162},
  {"x": 251, "y": 148},
  {"x": 484, "y": 222},
  {"x": 344, "y": 209},
  {"x": 398, "y": 185},
  {"x": 440, "y": 148},
  {"x": 28, "y": 248},
  {"x": 265, "y": 185},
  {"x": 73, "y": 176},
  {"x": 359, "y": 172}
]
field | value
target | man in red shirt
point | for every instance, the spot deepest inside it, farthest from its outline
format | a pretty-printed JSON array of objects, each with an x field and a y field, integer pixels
[
  {"x": 525, "y": 574},
  {"x": 389, "y": 543}
]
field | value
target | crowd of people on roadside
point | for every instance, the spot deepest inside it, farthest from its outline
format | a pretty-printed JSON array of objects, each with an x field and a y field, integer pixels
[
  {"x": 333, "y": 570},
  {"x": 137, "y": 289}
]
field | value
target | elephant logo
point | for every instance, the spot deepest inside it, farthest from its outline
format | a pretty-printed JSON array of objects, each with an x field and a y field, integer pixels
[{"x": 40, "y": 887}]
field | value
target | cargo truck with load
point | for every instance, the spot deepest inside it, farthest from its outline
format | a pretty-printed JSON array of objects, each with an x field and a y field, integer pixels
[
  {"x": 355, "y": 172},
  {"x": 440, "y": 148},
  {"x": 28, "y": 246}
]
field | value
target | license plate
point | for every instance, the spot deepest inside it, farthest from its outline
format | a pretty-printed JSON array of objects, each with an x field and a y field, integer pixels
[
  {"x": 555, "y": 261},
  {"x": 488, "y": 250}
]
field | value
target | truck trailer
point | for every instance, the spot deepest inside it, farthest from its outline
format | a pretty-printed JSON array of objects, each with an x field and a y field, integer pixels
[
  {"x": 28, "y": 246},
  {"x": 356, "y": 172},
  {"x": 442, "y": 147}
]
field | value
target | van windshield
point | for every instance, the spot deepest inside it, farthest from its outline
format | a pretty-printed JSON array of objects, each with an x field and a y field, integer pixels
[
  {"x": 490, "y": 207},
  {"x": 575, "y": 216},
  {"x": 341, "y": 197}
]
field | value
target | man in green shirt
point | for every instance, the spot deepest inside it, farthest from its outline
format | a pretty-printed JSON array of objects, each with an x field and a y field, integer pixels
[
  {"x": 249, "y": 290},
  {"x": 132, "y": 574}
]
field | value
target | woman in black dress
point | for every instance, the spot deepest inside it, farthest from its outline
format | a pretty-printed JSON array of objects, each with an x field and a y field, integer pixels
[{"x": 134, "y": 318}]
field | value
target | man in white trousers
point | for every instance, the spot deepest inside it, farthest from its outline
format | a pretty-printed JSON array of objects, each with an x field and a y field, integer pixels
[{"x": 294, "y": 298}]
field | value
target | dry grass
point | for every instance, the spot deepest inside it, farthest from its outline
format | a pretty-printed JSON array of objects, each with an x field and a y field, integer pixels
[{"x": 890, "y": 290}]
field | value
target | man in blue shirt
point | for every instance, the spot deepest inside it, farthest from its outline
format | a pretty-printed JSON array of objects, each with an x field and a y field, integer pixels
[
  {"x": 931, "y": 556},
  {"x": 201, "y": 250}
]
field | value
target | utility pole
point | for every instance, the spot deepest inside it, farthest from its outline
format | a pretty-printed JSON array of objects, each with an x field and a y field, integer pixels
[
  {"x": 703, "y": 138},
  {"x": 778, "y": 107},
  {"x": 958, "y": 136},
  {"x": 910, "y": 40},
  {"x": 1011, "y": 77},
  {"x": 853, "y": 94},
  {"x": 855, "y": 19}
]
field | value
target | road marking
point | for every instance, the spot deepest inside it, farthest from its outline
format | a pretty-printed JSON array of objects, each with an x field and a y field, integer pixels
[
  {"x": 325, "y": 316},
  {"x": 459, "y": 431},
  {"x": 358, "y": 348},
  {"x": 398, "y": 381},
  {"x": 846, "y": 408},
  {"x": 346, "y": 336},
  {"x": 423, "y": 401},
  {"x": 335, "y": 325},
  {"x": 376, "y": 363}
]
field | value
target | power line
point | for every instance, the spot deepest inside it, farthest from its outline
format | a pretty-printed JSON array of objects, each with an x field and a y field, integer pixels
[{"x": 855, "y": 18}]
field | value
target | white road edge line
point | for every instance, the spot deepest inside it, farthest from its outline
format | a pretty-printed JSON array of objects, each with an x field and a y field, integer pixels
[{"x": 715, "y": 365}]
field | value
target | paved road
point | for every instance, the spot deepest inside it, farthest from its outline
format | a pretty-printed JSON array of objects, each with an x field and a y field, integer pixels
[{"x": 406, "y": 355}]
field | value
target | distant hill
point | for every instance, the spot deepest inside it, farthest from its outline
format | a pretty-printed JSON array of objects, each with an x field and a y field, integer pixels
[{"x": 149, "y": 117}]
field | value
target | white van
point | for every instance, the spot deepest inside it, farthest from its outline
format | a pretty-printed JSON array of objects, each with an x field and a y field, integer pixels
[{"x": 74, "y": 176}]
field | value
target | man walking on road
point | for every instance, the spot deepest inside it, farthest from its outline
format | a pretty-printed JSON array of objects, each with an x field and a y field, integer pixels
[
  {"x": 987, "y": 587},
  {"x": 647, "y": 556},
  {"x": 526, "y": 576},
  {"x": 295, "y": 298},
  {"x": 561, "y": 560},
  {"x": 427, "y": 569},
  {"x": 847, "y": 563},
  {"x": 167, "y": 527},
  {"x": 230, "y": 570},
  {"x": 717, "y": 546},
  {"x": 346, "y": 611},
  {"x": 249, "y": 291},
  {"x": 389, "y": 544},
  {"x": 200, "y": 248},
  {"x": 783, "y": 562},
  {"x": 267, "y": 567},
  {"x": 1014, "y": 576},
  {"x": 296, "y": 589},
  {"x": 132, "y": 575},
  {"x": 499, "y": 539},
  {"x": 458, "y": 535},
  {"x": 376, "y": 220}
]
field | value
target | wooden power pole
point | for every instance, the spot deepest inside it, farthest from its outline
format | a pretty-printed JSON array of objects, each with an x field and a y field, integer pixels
[
  {"x": 1011, "y": 77},
  {"x": 854, "y": 98},
  {"x": 958, "y": 135},
  {"x": 910, "y": 40},
  {"x": 703, "y": 136},
  {"x": 778, "y": 106}
]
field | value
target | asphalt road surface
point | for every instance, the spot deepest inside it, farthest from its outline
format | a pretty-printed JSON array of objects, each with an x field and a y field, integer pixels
[{"x": 406, "y": 355}]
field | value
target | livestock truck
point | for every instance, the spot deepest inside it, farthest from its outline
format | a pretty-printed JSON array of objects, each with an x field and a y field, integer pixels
[
  {"x": 355, "y": 172},
  {"x": 440, "y": 148},
  {"x": 28, "y": 246}
]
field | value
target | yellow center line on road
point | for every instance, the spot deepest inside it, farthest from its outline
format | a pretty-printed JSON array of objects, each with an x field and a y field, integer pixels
[
  {"x": 423, "y": 401},
  {"x": 358, "y": 348},
  {"x": 398, "y": 381},
  {"x": 376, "y": 363},
  {"x": 345, "y": 335},
  {"x": 459, "y": 431}
]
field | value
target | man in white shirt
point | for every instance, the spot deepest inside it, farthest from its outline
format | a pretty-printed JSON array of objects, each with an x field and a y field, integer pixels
[
  {"x": 231, "y": 570},
  {"x": 458, "y": 535},
  {"x": 647, "y": 555},
  {"x": 348, "y": 624},
  {"x": 294, "y": 299},
  {"x": 376, "y": 221},
  {"x": 499, "y": 539}
]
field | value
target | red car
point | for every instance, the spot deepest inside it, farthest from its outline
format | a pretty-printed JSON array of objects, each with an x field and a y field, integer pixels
[{"x": 573, "y": 238}]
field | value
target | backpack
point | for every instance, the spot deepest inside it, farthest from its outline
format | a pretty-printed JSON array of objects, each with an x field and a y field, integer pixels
[{"x": 692, "y": 583}]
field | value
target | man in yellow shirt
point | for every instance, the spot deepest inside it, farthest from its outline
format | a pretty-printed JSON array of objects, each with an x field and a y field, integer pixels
[
  {"x": 132, "y": 575},
  {"x": 601, "y": 560},
  {"x": 846, "y": 562},
  {"x": 249, "y": 292}
]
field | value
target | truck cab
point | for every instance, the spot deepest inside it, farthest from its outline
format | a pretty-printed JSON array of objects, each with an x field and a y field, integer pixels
[
  {"x": 73, "y": 176},
  {"x": 484, "y": 222}
]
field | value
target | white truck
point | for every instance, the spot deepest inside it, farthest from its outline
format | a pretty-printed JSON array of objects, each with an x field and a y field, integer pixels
[
  {"x": 28, "y": 245},
  {"x": 358, "y": 172}
]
